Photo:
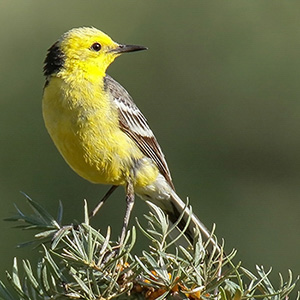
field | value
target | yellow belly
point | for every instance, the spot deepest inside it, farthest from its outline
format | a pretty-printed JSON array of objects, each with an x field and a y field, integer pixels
[{"x": 86, "y": 132}]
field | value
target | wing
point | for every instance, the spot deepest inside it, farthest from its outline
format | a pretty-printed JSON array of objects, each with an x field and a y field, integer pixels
[{"x": 135, "y": 125}]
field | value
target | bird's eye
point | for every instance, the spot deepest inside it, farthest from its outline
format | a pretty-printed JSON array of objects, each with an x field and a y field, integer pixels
[{"x": 96, "y": 47}]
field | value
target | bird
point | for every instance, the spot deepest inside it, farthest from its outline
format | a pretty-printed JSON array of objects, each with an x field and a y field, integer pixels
[{"x": 99, "y": 130}]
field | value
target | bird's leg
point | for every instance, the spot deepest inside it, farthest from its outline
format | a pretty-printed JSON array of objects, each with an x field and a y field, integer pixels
[
  {"x": 129, "y": 206},
  {"x": 105, "y": 197}
]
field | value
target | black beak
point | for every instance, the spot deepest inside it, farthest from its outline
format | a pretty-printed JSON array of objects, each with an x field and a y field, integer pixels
[{"x": 128, "y": 48}]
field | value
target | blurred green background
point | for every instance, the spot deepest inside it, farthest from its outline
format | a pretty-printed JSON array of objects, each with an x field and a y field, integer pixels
[{"x": 220, "y": 88}]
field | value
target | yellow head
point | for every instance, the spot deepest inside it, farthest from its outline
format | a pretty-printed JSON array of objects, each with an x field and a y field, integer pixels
[{"x": 86, "y": 50}]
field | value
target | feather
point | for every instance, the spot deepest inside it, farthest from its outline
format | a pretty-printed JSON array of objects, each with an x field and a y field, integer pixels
[{"x": 134, "y": 124}]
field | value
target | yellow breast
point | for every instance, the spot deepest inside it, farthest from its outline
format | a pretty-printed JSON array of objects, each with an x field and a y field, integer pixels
[{"x": 84, "y": 127}]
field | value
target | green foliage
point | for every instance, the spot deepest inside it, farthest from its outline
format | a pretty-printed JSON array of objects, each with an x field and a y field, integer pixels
[{"x": 79, "y": 262}]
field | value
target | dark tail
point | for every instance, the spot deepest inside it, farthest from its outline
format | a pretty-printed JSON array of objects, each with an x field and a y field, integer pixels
[{"x": 176, "y": 209}]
